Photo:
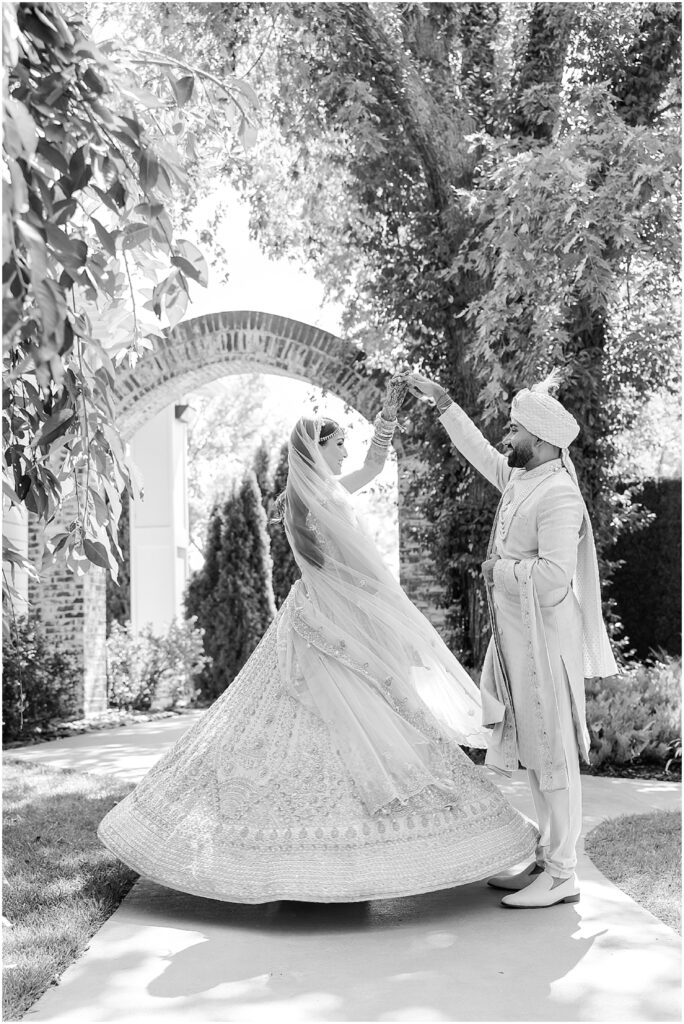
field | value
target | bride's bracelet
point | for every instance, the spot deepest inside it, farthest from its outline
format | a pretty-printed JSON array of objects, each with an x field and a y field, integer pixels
[
  {"x": 384, "y": 431},
  {"x": 381, "y": 439},
  {"x": 444, "y": 401}
]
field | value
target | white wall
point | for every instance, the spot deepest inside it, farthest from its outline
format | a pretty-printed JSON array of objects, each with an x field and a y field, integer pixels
[
  {"x": 16, "y": 530},
  {"x": 159, "y": 533}
]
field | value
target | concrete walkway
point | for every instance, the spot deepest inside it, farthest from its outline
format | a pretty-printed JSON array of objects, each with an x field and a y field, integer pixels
[{"x": 447, "y": 956}]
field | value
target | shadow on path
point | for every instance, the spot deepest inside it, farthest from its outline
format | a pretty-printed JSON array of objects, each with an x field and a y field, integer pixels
[{"x": 453, "y": 955}]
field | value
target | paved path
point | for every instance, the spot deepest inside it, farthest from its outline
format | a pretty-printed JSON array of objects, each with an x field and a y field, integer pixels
[{"x": 445, "y": 956}]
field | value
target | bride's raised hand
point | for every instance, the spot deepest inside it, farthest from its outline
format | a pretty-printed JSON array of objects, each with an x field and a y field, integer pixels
[{"x": 397, "y": 388}]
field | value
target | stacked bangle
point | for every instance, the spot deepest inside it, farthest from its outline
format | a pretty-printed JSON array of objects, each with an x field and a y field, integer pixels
[{"x": 384, "y": 431}]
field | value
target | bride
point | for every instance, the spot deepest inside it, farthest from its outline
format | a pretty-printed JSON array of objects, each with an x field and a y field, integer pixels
[{"x": 331, "y": 769}]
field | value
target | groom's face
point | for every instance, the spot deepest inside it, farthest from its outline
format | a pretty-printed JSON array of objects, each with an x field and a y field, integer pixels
[{"x": 518, "y": 445}]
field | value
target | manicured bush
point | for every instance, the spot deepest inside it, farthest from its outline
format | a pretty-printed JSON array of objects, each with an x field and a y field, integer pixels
[
  {"x": 40, "y": 683},
  {"x": 636, "y": 715},
  {"x": 143, "y": 668},
  {"x": 232, "y": 595},
  {"x": 647, "y": 586}
]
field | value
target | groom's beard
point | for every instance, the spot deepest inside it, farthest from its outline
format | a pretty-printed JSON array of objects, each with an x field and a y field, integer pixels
[{"x": 519, "y": 457}]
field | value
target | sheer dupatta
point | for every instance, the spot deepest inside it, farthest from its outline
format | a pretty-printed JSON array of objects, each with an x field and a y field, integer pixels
[{"x": 358, "y": 653}]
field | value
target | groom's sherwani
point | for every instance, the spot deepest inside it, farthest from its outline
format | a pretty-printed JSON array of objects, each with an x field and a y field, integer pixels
[{"x": 532, "y": 682}]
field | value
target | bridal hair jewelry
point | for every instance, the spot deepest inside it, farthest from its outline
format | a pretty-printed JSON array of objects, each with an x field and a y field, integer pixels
[
  {"x": 327, "y": 430},
  {"x": 337, "y": 432}
]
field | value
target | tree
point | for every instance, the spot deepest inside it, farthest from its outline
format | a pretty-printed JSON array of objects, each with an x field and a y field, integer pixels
[
  {"x": 489, "y": 188},
  {"x": 526, "y": 195},
  {"x": 232, "y": 595},
  {"x": 92, "y": 269},
  {"x": 261, "y": 464},
  {"x": 285, "y": 569}
]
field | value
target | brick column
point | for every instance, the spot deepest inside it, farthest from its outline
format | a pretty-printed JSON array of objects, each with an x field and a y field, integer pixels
[{"x": 72, "y": 613}]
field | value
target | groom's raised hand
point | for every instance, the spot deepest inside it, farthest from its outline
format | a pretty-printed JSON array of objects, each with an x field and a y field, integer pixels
[{"x": 422, "y": 387}]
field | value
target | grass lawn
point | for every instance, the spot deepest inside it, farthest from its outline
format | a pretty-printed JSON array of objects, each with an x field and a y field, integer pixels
[
  {"x": 642, "y": 855},
  {"x": 60, "y": 883}
]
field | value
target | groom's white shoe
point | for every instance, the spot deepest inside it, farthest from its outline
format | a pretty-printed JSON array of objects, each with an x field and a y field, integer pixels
[
  {"x": 542, "y": 893},
  {"x": 512, "y": 883}
]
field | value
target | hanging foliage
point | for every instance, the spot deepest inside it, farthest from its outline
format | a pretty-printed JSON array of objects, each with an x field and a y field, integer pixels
[{"x": 92, "y": 267}]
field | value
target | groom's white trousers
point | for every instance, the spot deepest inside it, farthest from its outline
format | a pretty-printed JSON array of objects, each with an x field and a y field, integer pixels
[{"x": 559, "y": 811}]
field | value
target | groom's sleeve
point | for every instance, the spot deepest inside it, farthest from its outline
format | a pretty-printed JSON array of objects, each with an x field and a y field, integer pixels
[{"x": 475, "y": 447}]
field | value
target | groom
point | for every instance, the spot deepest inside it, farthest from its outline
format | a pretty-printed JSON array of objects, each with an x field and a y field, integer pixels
[{"x": 544, "y": 599}]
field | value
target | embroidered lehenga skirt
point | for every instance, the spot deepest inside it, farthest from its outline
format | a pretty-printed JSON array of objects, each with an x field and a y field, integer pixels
[{"x": 254, "y": 804}]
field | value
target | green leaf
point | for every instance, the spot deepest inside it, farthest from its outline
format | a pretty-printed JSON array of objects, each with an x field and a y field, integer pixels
[
  {"x": 192, "y": 256},
  {"x": 53, "y": 156},
  {"x": 175, "y": 305},
  {"x": 96, "y": 553},
  {"x": 108, "y": 199},
  {"x": 10, "y": 493},
  {"x": 247, "y": 134},
  {"x": 107, "y": 238},
  {"x": 23, "y": 486},
  {"x": 148, "y": 210},
  {"x": 101, "y": 510},
  {"x": 94, "y": 82},
  {"x": 53, "y": 428},
  {"x": 58, "y": 541},
  {"x": 74, "y": 249},
  {"x": 51, "y": 305},
  {"x": 32, "y": 26},
  {"x": 182, "y": 88},
  {"x": 64, "y": 210},
  {"x": 136, "y": 233},
  {"x": 21, "y": 134},
  {"x": 247, "y": 91},
  {"x": 36, "y": 499},
  {"x": 149, "y": 171}
]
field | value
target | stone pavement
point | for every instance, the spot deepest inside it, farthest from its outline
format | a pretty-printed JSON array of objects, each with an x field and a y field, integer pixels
[{"x": 454, "y": 955}]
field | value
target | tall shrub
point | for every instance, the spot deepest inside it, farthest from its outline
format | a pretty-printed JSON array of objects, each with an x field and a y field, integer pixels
[
  {"x": 285, "y": 569},
  {"x": 232, "y": 595},
  {"x": 261, "y": 465}
]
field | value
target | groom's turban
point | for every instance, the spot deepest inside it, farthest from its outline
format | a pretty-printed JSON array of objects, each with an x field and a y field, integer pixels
[{"x": 543, "y": 415}]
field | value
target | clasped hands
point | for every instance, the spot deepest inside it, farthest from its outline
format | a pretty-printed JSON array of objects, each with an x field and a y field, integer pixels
[{"x": 407, "y": 381}]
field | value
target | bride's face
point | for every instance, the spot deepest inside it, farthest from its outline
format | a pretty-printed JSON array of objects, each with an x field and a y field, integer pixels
[{"x": 334, "y": 453}]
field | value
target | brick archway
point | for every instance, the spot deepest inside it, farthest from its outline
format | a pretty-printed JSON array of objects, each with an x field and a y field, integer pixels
[
  {"x": 195, "y": 353},
  {"x": 201, "y": 350}
]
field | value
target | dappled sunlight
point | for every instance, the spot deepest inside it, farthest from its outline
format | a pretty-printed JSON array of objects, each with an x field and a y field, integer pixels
[
  {"x": 414, "y": 958},
  {"x": 169, "y": 956},
  {"x": 125, "y": 753}
]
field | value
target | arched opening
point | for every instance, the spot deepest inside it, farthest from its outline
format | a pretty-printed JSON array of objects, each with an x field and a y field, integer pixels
[
  {"x": 232, "y": 418},
  {"x": 190, "y": 356}
]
